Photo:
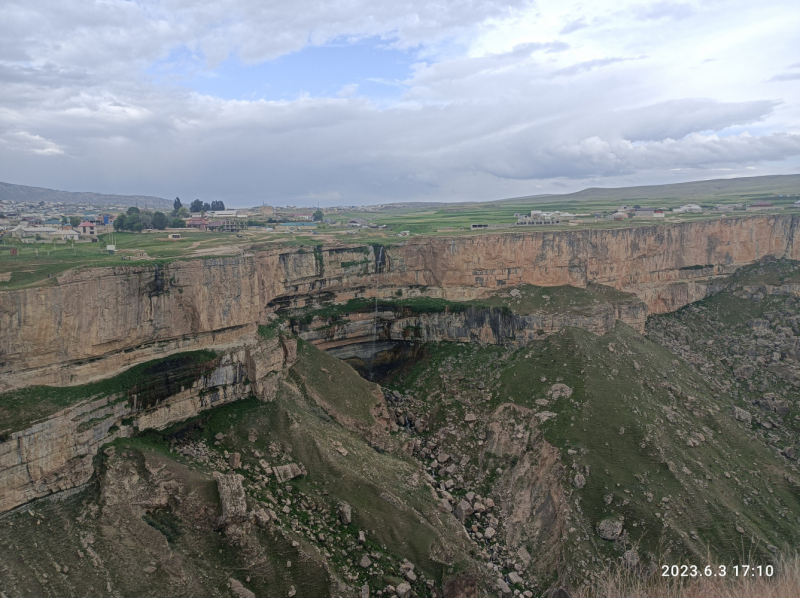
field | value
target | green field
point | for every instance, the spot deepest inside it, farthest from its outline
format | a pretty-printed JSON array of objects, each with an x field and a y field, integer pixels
[{"x": 34, "y": 263}]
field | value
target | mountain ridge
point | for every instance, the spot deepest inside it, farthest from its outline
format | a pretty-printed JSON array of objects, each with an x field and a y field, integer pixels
[{"x": 10, "y": 191}]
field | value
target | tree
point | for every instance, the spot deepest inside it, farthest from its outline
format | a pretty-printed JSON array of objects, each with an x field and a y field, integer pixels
[
  {"x": 217, "y": 205},
  {"x": 146, "y": 218},
  {"x": 178, "y": 223},
  {"x": 176, "y": 205},
  {"x": 197, "y": 206},
  {"x": 133, "y": 210},
  {"x": 318, "y": 216},
  {"x": 132, "y": 221},
  {"x": 183, "y": 212},
  {"x": 119, "y": 222},
  {"x": 160, "y": 221},
  {"x": 206, "y": 207},
  {"x": 74, "y": 221},
  {"x": 63, "y": 220}
]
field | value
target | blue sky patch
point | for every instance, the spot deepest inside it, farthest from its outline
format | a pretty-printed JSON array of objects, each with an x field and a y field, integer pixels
[{"x": 366, "y": 68}]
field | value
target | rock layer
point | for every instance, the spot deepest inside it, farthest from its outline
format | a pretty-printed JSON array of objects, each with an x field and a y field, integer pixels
[
  {"x": 124, "y": 315},
  {"x": 56, "y": 454}
]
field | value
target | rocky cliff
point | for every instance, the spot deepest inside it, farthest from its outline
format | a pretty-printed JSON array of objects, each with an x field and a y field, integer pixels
[
  {"x": 56, "y": 453},
  {"x": 103, "y": 320},
  {"x": 491, "y": 325}
]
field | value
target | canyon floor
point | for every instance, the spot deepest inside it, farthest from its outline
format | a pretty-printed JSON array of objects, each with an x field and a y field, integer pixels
[{"x": 529, "y": 466}]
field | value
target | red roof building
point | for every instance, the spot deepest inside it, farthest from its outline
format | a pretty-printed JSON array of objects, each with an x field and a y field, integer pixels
[{"x": 86, "y": 228}]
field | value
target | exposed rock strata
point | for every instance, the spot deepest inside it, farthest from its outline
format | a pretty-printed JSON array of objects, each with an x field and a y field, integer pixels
[
  {"x": 56, "y": 454},
  {"x": 103, "y": 312},
  {"x": 487, "y": 326},
  {"x": 118, "y": 313}
]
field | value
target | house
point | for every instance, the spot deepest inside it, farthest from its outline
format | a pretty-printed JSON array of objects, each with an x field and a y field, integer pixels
[
  {"x": 197, "y": 222},
  {"x": 174, "y": 236},
  {"x": 64, "y": 235},
  {"x": 762, "y": 205},
  {"x": 538, "y": 217},
  {"x": 690, "y": 208},
  {"x": 31, "y": 232},
  {"x": 86, "y": 228}
]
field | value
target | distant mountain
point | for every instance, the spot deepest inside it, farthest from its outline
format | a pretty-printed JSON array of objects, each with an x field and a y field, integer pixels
[
  {"x": 738, "y": 189},
  {"x": 9, "y": 191}
]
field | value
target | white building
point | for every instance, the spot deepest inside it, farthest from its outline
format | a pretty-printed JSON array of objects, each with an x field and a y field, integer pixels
[{"x": 690, "y": 208}]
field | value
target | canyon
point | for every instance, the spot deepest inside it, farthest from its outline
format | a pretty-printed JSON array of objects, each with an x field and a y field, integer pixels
[
  {"x": 524, "y": 381},
  {"x": 89, "y": 323}
]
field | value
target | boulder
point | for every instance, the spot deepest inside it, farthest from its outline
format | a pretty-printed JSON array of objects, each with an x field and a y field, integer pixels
[
  {"x": 742, "y": 415},
  {"x": 239, "y": 590},
  {"x": 463, "y": 510},
  {"x": 345, "y": 514},
  {"x": 365, "y": 562},
  {"x": 609, "y": 529},
  {"x": 231, "y": 498},
  {"x": 235, "y": 461},
  {"x": 287, "y": 472},
  {"x": 579, "y": 481},
  {"x": 403, "y": 590}
]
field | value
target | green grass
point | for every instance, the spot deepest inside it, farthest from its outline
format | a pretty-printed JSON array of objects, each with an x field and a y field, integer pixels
[
  {"x": 34, "y": 262},
  {"x": 561, "y": 299},
  {"x": 339, "y": 386},
  {"x": 609, "y": 395},
  {"x": 20, "y": 408}
]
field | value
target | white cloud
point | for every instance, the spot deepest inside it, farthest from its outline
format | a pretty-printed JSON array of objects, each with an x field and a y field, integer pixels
[
  {"x": 27, "y": 143},
  {"x": 510, "y": 98}
]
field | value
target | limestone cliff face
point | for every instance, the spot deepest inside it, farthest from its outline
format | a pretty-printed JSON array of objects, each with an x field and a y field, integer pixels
[
  {"x": 56, "y": 454},
  {"x": 483, "y": 325},
  {"x": 128, "y": 314}
]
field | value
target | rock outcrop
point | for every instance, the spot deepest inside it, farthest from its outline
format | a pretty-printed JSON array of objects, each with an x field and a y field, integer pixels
[
  {"x": 56, "y": 454},
  {"x": 483, "y": 325},
  {"x": 102, "y": 320}
]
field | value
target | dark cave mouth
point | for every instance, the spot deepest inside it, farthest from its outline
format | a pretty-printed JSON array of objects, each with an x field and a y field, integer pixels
[{"x": 380, "y": 361}]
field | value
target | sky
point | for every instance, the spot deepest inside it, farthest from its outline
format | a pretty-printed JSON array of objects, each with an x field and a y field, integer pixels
[{"x": 352, "y": 102}]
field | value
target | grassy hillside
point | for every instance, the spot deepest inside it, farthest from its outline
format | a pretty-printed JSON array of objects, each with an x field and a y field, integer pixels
[{"x": 9, "y": 191}]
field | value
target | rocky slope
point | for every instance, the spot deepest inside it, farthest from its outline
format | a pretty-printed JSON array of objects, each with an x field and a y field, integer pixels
[
  {"x": 55, "y": 452},
  {"x": 103, "y": 320},
  {"x": 479, "y": 468},
  {"x": 252, "y": 498}
]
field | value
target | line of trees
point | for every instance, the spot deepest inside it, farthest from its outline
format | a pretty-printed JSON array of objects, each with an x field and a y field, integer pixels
[
  {"x": 136, "y": 220},
  {"x": 200, "y": 206}
]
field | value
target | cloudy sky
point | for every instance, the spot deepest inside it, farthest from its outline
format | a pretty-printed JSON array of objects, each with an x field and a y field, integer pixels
[{"x": 358, "y": 101}]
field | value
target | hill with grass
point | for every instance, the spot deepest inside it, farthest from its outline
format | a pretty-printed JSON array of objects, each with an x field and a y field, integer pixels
[{"x": 24, "y": 193}]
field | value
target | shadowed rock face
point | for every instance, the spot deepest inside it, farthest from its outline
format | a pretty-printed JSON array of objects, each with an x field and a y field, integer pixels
[
  {"x": 126, "y": 315},
  {"x": 56, "y": 453}
]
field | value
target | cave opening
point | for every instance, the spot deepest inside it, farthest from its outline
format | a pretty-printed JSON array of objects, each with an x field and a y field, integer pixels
[{"x": 381, "y": 361}]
